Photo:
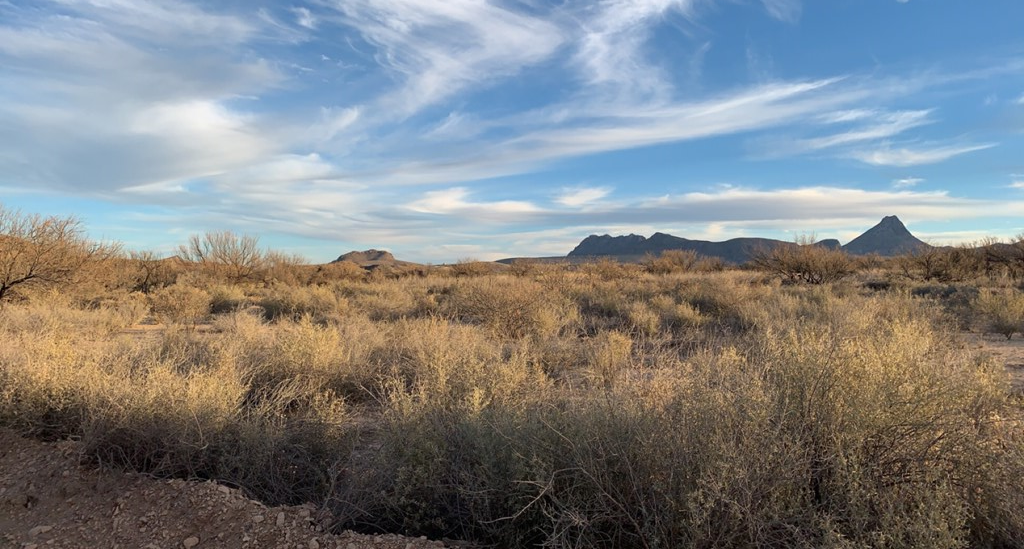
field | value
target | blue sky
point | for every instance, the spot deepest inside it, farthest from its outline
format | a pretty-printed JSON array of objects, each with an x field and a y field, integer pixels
[{"x": 444, "y": 130}]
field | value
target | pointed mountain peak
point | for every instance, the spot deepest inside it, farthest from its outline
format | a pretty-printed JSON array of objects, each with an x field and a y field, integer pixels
[
  {"x": 891, "y": 221},
  {"x": 889, "y": 237}
]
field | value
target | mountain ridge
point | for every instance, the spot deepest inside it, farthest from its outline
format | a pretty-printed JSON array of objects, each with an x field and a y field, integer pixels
[{"x": 887, "y": 238}]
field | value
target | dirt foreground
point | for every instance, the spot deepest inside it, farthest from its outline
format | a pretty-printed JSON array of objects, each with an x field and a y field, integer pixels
[{"x": 48, "y": 500}]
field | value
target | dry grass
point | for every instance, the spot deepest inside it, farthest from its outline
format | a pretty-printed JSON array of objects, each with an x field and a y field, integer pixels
[{"x": 605, "y": 406}]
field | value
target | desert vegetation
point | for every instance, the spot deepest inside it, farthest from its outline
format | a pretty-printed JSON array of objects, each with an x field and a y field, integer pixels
[{"x": 809, "y": 400}]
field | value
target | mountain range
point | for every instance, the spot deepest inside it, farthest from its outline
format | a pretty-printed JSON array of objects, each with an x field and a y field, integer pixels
[{"x": 888, "y": 238}]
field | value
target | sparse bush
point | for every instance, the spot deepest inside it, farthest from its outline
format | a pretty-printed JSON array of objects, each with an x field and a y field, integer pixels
[
  {"x": 676, "y": 315},
  {"x": 943, "y": 264},
  {"x": 608, "y": 356},
  {"x": 672, "y": 261},
  {"x": 151, "y": 271},
  {"x": 283, "y": 268},
  {"x": 341, "y": 270},
  {"x": 513, "y": 308},
  {"x": 1003, "y": 312},
  {"x": 226, "y": 298},
  {"x": 43, "y": 252},
  {"x": 237, "y": 258},
  {"x": 471, "y": 267},
  {"x": 180, "y": 304},
  {"x": 321, "y": 303},
  {"x": 643, "y": 319},
  {"x": 804, "y": 262},
  {"x": 608, "y": 269}
]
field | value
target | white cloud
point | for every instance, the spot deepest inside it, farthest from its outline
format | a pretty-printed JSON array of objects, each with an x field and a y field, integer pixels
[
  {"x": 1016, "y": 185},
  {"x": 850, "y": 115},
  {"x": 907, "y": 182},
  {"x": 882, "y": 125},
  {"x": 784, "y": 10},
  {"x": 159, "y": 21},
  {"x": 334, "y": 121},
  {"x": 577, "y": 197},
  {"x": 441, "y": 48},
  {"x": 753, "y": 108},
  {"x": 305, "y": 18},
  {"x": 609, "y": 48},
  {"x": 904, "y": 157},
  {"x": 454, "y": 201}
]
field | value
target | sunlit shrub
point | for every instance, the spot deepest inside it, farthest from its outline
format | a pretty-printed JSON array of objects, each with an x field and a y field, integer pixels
[
  {"x": 1002, "y": 311},
  {"x": 180, "y": 304}
]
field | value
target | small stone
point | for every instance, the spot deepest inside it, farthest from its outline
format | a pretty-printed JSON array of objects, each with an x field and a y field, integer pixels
[
  {"x": 223, "y": 489},
  {"x": 39, "y": 530},
  {"x": 303, "y": 513},
  {"x": 314, "y": 544},
  {"x": 258, "y": 518},
  {"x": 280, "y": 519},
  {"x": 190, "y": 542},
  {"x": 350, "y": 546}
]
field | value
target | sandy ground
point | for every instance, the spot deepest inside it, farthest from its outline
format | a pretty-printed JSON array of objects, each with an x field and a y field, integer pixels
[
  {"x": 1009, "y": 352},
  {"x": 48, "y": 500}
]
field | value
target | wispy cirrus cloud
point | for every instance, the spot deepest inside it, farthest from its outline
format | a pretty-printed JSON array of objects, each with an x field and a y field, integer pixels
[
  {"x": 153, "y": 21},
  {"x": 864, "y": 125},
  {"x": 905, "y": 156},
  {"x": 581, "y": 196},
  {"x": 609, "y": 47},
  {"x": 440, "y": 48},
  {"x": 784, "y": 10},
  {"x": 880, "y": 126}
]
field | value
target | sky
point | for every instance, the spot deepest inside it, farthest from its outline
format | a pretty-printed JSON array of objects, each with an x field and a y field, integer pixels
[{"x": 444, "y": 130}]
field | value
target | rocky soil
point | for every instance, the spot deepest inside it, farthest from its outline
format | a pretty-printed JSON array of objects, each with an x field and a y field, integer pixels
[{"x": 47, "y": 499}]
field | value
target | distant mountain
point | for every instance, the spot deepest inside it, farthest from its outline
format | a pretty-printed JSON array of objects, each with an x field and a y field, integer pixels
[
  {"x": 634, "y": 247},
  {"x": 371, "y": 259},
  {"x": 830, "y": 243},
  {"x": 890, "y": 237},
  {"x": 367, "y": 256}
]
